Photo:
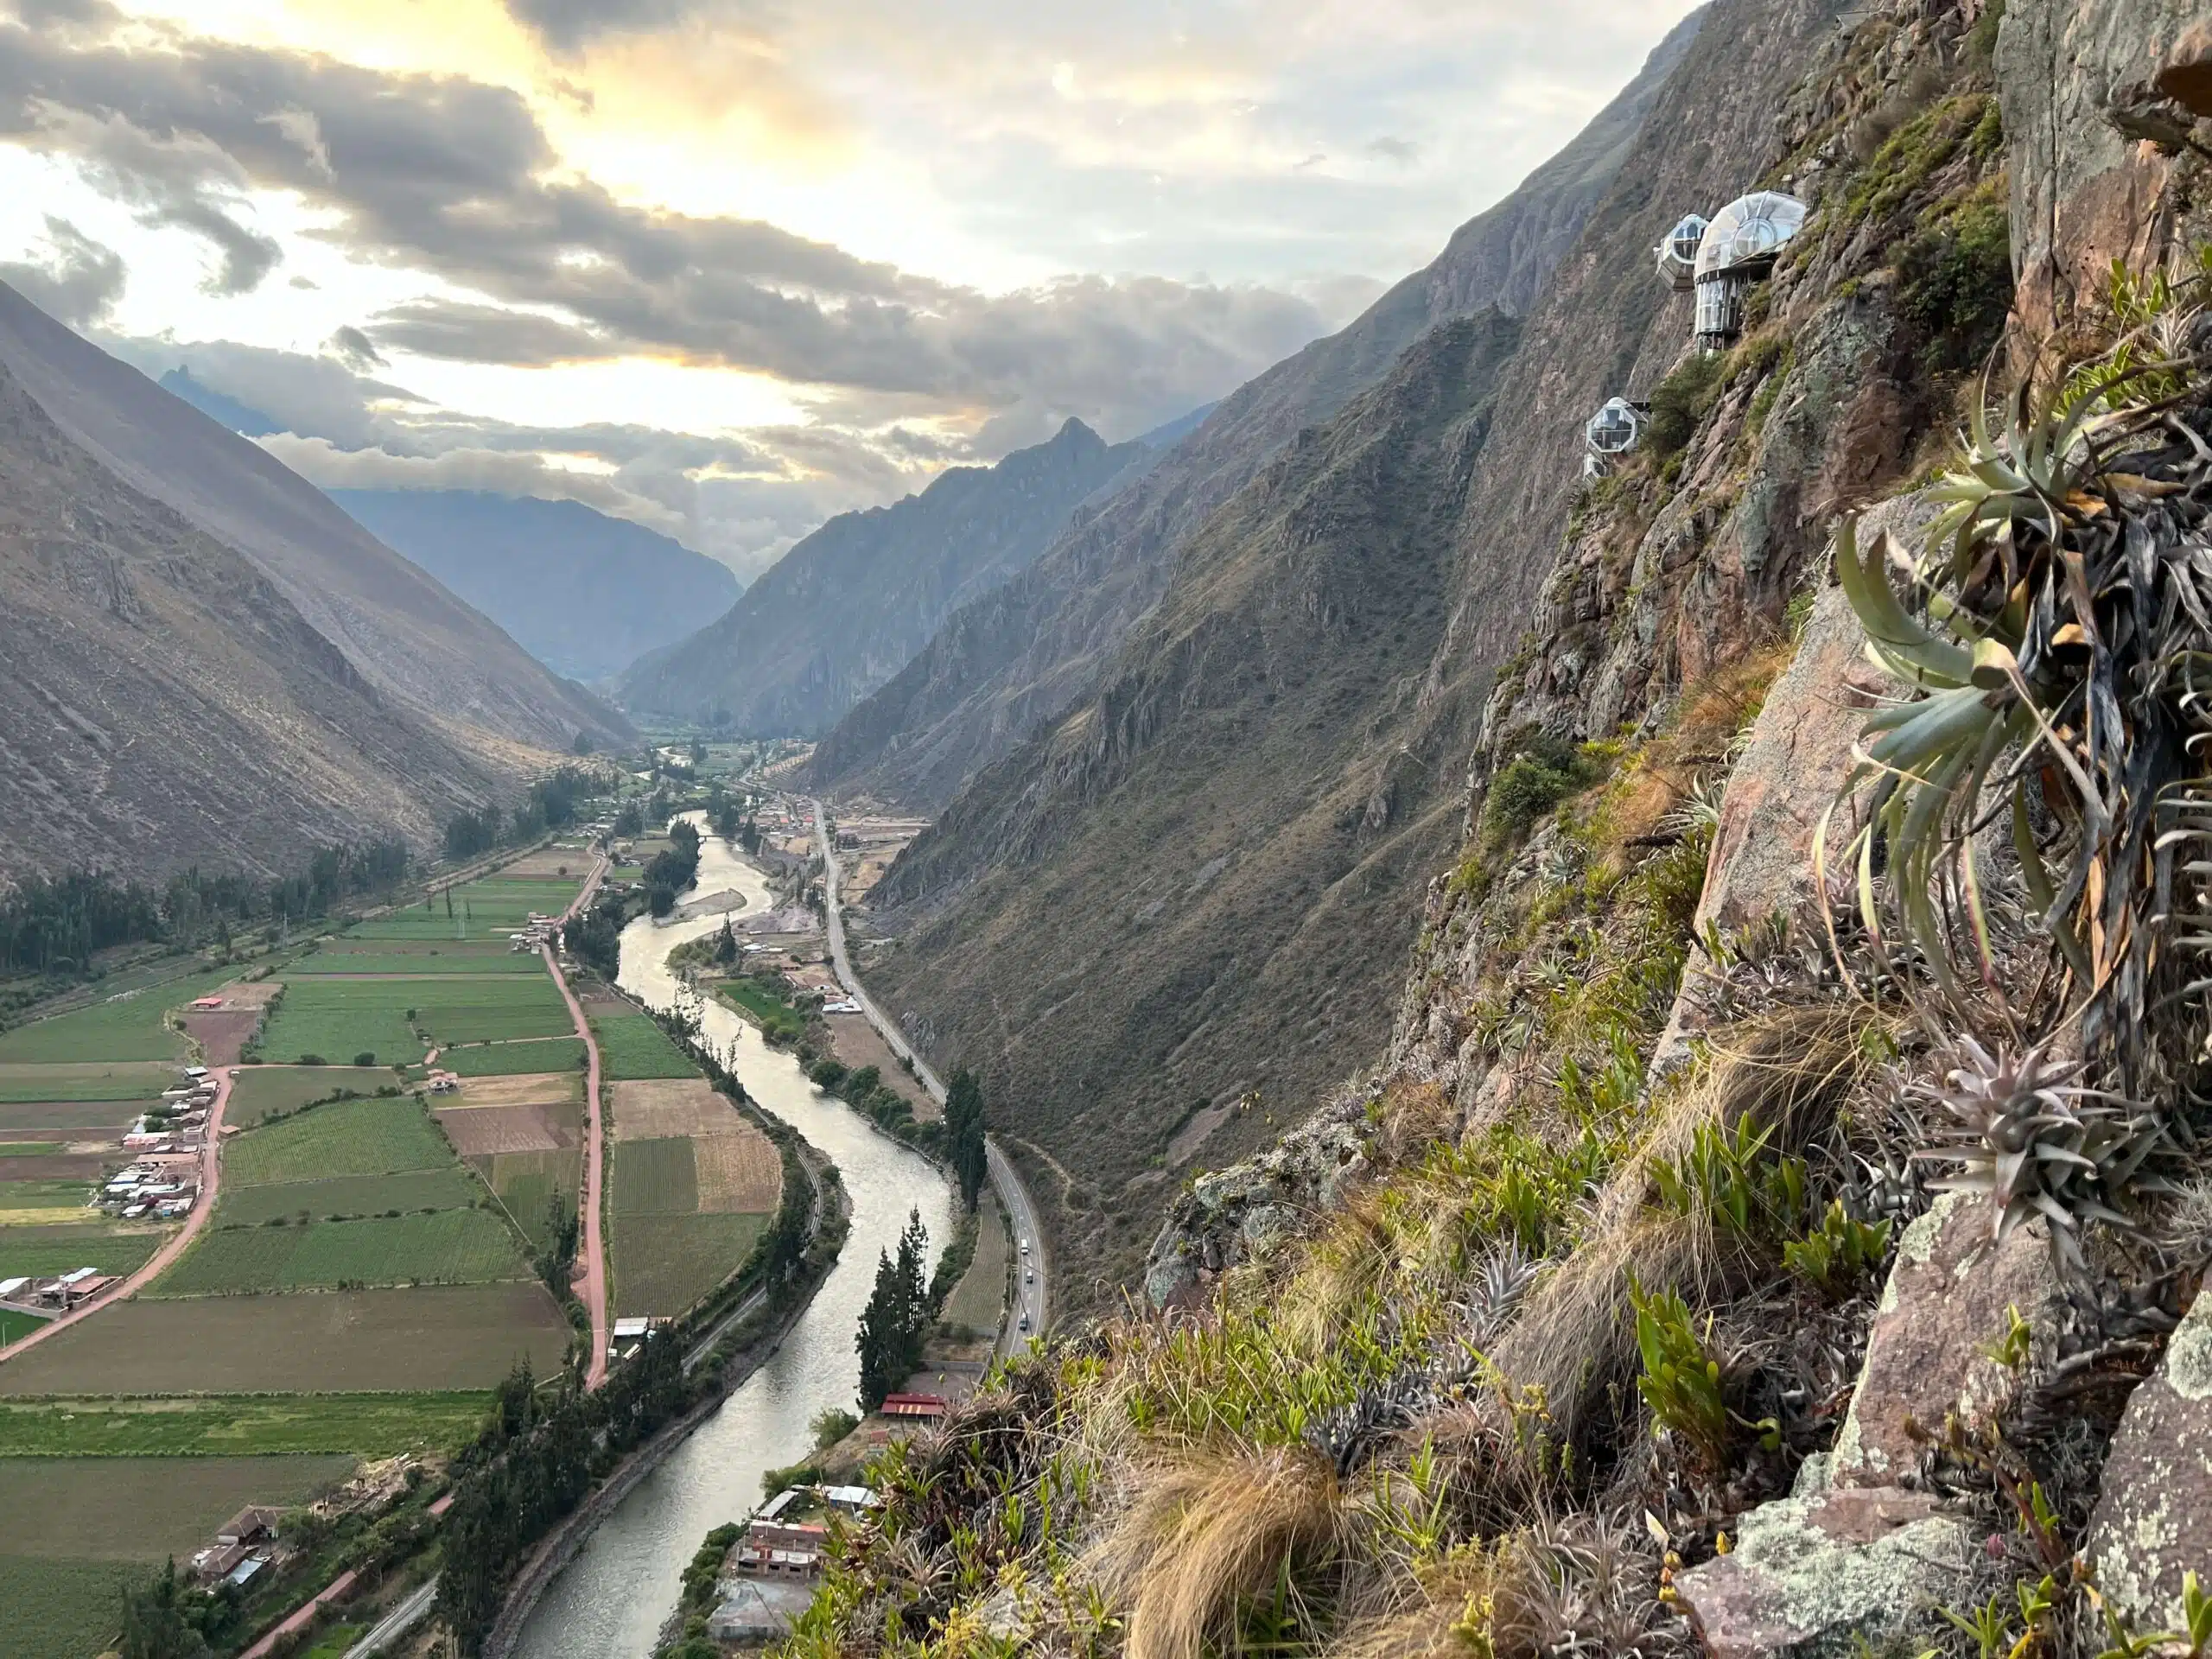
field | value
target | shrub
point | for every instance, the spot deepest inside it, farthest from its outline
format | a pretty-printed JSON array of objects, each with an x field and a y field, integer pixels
[
  {"x": 1954, "y": 282},
  {"x": 367, "y": 1057},
  {"x": 1530, "y": 786},
  {"x": 313, "y": 1059},
  {"x": 1685, "y": 398}
]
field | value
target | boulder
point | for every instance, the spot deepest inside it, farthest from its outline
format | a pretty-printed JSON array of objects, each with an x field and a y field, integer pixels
[
  {"x": 2187, "y": 76},
  {"x": 1947, "y": 1302},
  {"x": 1812, "y": 1575},
  {"x": 2153, "y": 1519}
]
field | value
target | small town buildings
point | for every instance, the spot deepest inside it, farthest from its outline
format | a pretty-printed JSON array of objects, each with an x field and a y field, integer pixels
[{"x": 12, "y": 1288}]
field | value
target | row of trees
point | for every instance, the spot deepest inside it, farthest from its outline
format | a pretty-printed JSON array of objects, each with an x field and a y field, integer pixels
[
  {"x": 56, "y": 926},
  {"x": 536, "y": 1459},
  {"x": 673, "y": 869},
  {"x": 896, "y": 1321},
  {"x": 555, "y": 802},
  {"x": 964, "y": 1131}
]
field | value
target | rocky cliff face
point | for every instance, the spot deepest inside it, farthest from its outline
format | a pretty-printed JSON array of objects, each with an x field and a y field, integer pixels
[
  {"x": 1026, "y": 652},
  {"x": 1102, "y": 840},
  {"x": 848, "y": 606}
]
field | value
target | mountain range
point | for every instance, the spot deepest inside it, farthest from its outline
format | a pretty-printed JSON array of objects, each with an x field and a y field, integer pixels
[
  {"x": 1026, "y": 652},
  {"x": 202, "y": 659},
  {"x": 850, "y": 606},
  {"x": 585, "y": 593}
]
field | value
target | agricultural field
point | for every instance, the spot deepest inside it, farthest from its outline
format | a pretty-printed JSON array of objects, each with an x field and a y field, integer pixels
[
  {"x": 692, "y": 1184},
  {"x": 261, "y": 1424},
  {"x": 340, "y": 1019},
  {"x": 264, "y": 1091},
  {"x": 42, "y": 1203},
  {"x": 62, "y": 1609},
  {"x": 525, "y": 1183},
  {"x": 34, "y": 1252},
  {"x": 350, "y": 1196},
  {"x": 434, "y": 1338},
  {"x": 978, "y": 1301},
  {"x": 133, "y": 1026},
  {"x": 346, "y": 1137},
  {"x": 349, "y": 955},
  {"x": 82, "y": 1080},
  {"x": 15, "y": 1326},
  {"x": 442, "y": 1246},
  {"x": 489, "y": 909},
  {"x": 631, "y": 1046},
  {"x": 503, "y": 1059}
]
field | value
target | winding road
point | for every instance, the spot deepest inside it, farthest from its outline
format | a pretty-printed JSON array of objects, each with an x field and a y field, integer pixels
[
  {"x": 591, "y": 1265},
  {"x": 1026, "y": 1316},
  {"x": 211, "y": 1177}
]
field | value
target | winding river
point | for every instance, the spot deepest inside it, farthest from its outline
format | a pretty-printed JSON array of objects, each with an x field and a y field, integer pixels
[{"x": 611, "y": 1600}]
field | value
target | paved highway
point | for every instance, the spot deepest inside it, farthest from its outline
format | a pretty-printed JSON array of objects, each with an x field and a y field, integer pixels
[
  {"x": 396, "y": 1624},
  {"x": 1026, "y": 1317}
]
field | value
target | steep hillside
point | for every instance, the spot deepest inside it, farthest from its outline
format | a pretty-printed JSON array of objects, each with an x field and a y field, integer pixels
[
  {"x": 850, "y": 606},
  {"x": 1028, "y": 651},
  {"x": 1198, "y": 884},
  {"x": 1860, "y": 1324},
  {"x": 1038, "y": 824},
  {"x": 163, "y": 702},
  {"x": 584, "y": 593},
  {"x": 402, "y": 632}
]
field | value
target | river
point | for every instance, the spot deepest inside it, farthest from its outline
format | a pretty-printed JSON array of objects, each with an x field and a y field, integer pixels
[{"x": 610, "y": 1601}]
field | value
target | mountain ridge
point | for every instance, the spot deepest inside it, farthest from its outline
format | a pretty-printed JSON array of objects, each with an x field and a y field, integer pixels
[{"x": 851, "y": 603}]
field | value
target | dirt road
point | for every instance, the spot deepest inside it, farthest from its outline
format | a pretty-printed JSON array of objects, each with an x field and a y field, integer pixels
[
  {"x": 210, "y": 1176},
  {"x": 591, "y": 1264}
]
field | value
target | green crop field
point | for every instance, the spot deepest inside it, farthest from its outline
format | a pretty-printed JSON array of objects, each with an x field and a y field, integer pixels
[
  {"x": 359, "y": 1425},
  {"x": 15, "y": 1326},
  {"x": 453, "y": 1247},
  {"x": 434, "y": 1337},
  {"x": 61, "y": 1609},
  {"x": 133, "y": 1509},
  {"x": 341, "y": 1018},
  {"x": 260, "y": 1091},
  {"x": 334, "y": 1641},
  {"x": 345, "y": 1195},
  {"x": 503, "y": 963},
  {"x": 655, "y": 1177},
  {"x": 525, "y": 1181},
  {"x": 662, "y": 1264},
  {"x": 761, "y": 1004},
  {"x": 346, "y": 1137},
  {"x": 61, "y": 1196},
  {"x": 43, "y": 1251},
  {"x": 84, "y": 1080},
  {"x": 489, "y": 909},
  {"x": 506, "y": 1059},
  {"x": 630, "y": 1046},
  {"x": 131, "y": 1028}
]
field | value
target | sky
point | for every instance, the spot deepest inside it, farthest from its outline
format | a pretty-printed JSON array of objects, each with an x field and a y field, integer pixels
[{"x": 727, "y": 267}]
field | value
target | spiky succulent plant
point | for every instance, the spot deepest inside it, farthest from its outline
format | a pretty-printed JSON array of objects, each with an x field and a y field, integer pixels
[{"x": 2033, "y": 1140}]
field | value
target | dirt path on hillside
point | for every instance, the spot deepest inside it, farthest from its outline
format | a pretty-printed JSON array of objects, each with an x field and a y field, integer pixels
[{"x": 211, "y": 1175}]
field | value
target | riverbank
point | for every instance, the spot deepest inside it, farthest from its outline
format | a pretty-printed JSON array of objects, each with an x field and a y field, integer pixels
[{"x": 831, "y": 1217}]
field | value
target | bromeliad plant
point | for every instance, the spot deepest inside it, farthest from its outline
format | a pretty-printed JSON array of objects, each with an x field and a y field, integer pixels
[{"x": 2060, "y": 644}]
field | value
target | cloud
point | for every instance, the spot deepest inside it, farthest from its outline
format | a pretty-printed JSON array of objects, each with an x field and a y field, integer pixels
[
  {"x": 1404, "y": 152},
  {"x": 78, "y": 282},
  {"x": 356, "y": 349},
  {"x": 455, "y": 178},
  {"x": 567, "y": 25}
]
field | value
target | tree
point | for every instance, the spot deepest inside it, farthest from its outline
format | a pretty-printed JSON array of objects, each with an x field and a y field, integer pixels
[
  {"x": 964, "y": 1129},
  {"x": 563, "y": 1225},
  {"x": 726, "y": 946},
  {"x": 154, "y": 1625},
  {"x": 896, "y": 1318}
]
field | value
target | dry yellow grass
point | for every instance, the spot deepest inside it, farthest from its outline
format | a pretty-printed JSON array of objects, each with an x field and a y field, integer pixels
[
  {"x": 1205, "y": 1535},
  {"x": 669, "y": 1107},
  {"x": 524, "y": 1089},
  {"x": 738, "y": 1172},
  {"x": 249, "y": 994}
]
